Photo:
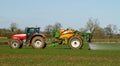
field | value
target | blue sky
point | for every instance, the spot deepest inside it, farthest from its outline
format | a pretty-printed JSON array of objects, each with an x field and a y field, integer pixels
[{"x": 70, "y": 13}]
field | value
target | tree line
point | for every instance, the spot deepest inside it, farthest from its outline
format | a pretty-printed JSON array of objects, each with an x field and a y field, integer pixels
[
  {"x": 92, "y": 25},
  {"x": 107, "y": 32}
]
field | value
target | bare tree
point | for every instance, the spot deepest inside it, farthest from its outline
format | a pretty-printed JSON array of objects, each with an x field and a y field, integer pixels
[
  {"x": 82, "y": 30},
  {"x": 13, "y": 27},
  {"x": 92, "y": 25},
  {"x": 99, "y": 32},
  {"x": 57, "y": 26},
  {"x": 115, "y": 29},
  {"x": 48, "y": 30},
  {"x": 110, "y": 29},
  {"x": 19, "y": 31}
]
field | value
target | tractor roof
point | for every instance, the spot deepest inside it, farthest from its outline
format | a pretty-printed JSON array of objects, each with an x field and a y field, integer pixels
[{"x": 32, "y": 27}]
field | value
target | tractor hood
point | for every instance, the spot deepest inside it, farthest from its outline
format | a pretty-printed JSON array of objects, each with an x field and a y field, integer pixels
[{"x": 19, "y": 36}]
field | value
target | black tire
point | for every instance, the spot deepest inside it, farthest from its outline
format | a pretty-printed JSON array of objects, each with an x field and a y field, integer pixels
[
  {"x": 21, "y": 45},
  {"x": 16, "y": 44},
  {"x": 75, "y": 42},
  {"x": 38, "y": 42},
  {"x": 45, "y": 45}
]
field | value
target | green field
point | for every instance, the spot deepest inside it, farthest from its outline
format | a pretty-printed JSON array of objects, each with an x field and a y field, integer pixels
[{"x": 58, "y": 56}]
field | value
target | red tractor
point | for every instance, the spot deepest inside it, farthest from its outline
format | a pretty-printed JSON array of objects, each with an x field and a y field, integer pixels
[{"x": 33, "y": 37}]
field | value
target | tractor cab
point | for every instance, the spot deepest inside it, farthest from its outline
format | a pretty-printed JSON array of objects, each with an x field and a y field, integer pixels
[{"x": 31, "y": 30}]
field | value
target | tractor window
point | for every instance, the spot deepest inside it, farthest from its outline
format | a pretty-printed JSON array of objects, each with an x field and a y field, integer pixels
[
  {"x": 37, "y": 30},
  {"x": 32, "y": 30}
]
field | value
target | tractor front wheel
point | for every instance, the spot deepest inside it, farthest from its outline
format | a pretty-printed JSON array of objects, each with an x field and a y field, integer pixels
[
  {"x": 38, "y": 42},
  {"x": 75, "y": 42},
  {"x": 15, "y": 44}
]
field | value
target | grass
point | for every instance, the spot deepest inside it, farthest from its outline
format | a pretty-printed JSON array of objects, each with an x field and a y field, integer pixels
[{"x": 58, "y": 56}]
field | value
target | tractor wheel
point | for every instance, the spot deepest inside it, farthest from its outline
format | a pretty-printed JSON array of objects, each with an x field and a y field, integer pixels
[
  {"x": 75, "y": 42},
  {"x": 21, "y": 45},
  {"x": 45, "y": 45},
  {"x": 38, "y": 42},
  {"x": 15, "y": 44}
]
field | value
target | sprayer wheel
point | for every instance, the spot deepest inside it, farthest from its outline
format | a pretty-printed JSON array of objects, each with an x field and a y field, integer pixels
[{"x": 75, "y": 42}]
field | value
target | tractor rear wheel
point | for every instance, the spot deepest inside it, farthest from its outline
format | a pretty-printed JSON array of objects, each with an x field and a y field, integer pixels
[
  {"x": 75, "y": 42},
  {"x": 38, "y": 42},
  {"x": 16, "y": 44}
]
